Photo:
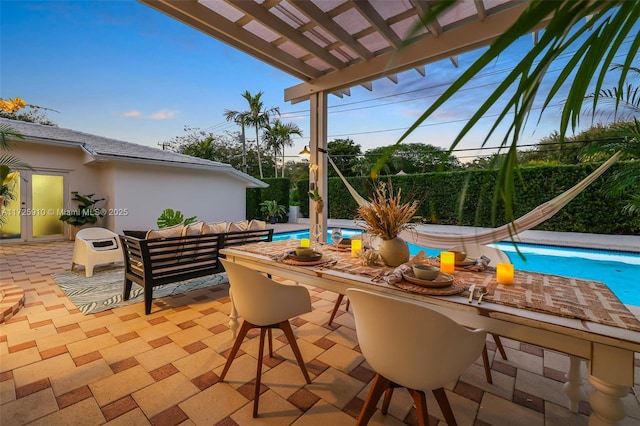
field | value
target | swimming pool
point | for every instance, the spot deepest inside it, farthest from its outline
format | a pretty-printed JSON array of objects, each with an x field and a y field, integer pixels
[{"x": 620, "y": 271}]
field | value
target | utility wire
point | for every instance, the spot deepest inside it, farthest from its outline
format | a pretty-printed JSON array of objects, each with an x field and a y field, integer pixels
[{"x": 336, "y": 108}]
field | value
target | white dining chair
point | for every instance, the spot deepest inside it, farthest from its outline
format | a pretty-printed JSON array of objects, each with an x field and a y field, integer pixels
[
  {"x": 265, "y": 304},
  {"x": 410, "y": 346}
]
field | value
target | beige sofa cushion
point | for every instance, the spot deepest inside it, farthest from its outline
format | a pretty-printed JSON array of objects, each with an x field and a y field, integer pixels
[
  {"x": 172, "y": 231},
  {"x": 193, "y": 229},
  {"x": 214, "y": 228},
  {"x": 243, "y": 225},
  {"x": 257, "y": 225}
]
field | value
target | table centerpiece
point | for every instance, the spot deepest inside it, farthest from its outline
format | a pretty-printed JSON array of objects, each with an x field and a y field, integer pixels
[{"x": 386, "y": 216}]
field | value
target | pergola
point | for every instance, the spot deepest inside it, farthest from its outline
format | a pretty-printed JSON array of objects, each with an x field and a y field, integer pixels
[{"x": 333, "y": 45}]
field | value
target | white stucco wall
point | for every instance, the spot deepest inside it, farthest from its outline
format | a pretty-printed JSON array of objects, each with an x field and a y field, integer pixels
[
  {"x": 137, "y": 193},
  {"x": 146, "y": 190},
  {"x": 54, "y": 158}
]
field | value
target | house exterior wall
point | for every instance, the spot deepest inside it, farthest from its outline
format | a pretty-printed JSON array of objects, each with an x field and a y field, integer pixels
[
  {"x": 56, "y": 158},
  {"x": 143, "y": 191},
  {"x": 137, "y": 193},
  {"x": 50, "y": 158}
]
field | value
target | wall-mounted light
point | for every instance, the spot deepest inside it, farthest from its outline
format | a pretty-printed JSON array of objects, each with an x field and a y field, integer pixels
[{"x": 305, "y": 153}]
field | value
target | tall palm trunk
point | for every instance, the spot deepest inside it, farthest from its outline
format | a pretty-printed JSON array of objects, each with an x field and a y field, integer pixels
[
  {"x": 258, "y": 152},
  {"x": 283, "y": 161},
  {"x": 244, "y": 151}
]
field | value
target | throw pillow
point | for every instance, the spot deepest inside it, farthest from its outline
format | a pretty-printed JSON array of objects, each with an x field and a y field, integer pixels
[
  {"x": 257, "y": 225},
  {"x": 193, "y": 229},
  {"x": 214, "y": 228},
  {"x": 243, "y": 225},
  {"x": 172, "y": 231}
]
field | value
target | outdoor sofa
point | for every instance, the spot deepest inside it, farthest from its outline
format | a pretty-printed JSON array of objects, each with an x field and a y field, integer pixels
[{"x": 165, "y": 256}]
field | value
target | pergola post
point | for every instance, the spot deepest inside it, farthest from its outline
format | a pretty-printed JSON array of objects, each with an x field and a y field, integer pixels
[{"x": 318, "y": 139}]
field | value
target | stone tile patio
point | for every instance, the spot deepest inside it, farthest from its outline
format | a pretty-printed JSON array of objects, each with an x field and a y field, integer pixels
[{"x": 120, "y": 367}]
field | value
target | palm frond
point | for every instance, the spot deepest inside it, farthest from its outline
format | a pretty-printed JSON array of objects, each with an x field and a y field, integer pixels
[
  {"x": 6, "y": 133},
  {"x": 595, "y": 43}
]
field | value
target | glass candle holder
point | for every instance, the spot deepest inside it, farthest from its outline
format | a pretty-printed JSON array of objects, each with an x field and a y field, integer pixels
[
  {"x": 305, "y": 242},
  {"x": 447, "y": 262},
  {"x": 356, "y": 246},
  {"x": 504, "y": 273}
]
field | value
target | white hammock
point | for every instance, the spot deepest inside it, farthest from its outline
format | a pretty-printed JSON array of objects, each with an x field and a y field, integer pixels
[{"x": 528, "y": 221}]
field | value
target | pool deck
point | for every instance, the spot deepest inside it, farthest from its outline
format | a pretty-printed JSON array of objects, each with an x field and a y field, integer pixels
[
  {"x": 565, "y": 239},
  {"x": 121, "y": 367}
]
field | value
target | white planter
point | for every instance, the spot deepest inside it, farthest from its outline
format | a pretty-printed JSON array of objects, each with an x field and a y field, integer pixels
[{"x": 294, "y": 213}]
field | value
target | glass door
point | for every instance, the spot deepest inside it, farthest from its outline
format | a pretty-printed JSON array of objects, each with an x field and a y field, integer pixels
[{"x": 34, "y": 213}]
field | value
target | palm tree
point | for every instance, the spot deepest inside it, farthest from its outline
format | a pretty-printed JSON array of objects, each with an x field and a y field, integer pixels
[
  {"x": 625, "y": 98},
  {"x": 277, "y": 136},
  {"x": 240, "y": 118},
  {"x": 258, "y": 117},
  {"x": 624, "y": 182},
  {"x": 591, "y": 33}
]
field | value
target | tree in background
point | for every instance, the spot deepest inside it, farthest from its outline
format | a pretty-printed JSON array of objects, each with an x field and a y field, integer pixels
[
  {"x": 553, "y": 149},
  {"x": 18, "y": 109},
  {"x": 277, "y": 136},
  {"x": 240, "y": 118},
  {"x": 625, "y": 99},
  {"x": 344, "y": 153},
  {"x": 258, "y": 117},
  {"x": 624, "y": 182},
  {"x": 415, "y": 158}
]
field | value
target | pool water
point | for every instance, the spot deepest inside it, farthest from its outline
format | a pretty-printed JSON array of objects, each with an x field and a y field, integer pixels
[{"x": 620, "y": 271}]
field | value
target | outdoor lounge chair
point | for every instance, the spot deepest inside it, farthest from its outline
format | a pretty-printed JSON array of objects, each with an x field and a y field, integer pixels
[{"x": 95, "y": 246}]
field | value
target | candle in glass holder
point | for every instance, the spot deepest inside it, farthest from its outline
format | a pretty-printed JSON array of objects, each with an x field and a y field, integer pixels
[
  {"x": 356, "y": 246},
  {"x": 447, "y": 262},
  {"x": 504, "y": 273},
  {"x": 304, "y": 242}
]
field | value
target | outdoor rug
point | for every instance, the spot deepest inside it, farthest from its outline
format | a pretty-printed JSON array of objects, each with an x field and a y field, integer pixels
[{"x": 104, "y": 290}]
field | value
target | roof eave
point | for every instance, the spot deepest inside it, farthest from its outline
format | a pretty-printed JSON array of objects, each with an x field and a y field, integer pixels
[
  {"x": 220, "y": 167},
  {"x": 224, "y": 168}
]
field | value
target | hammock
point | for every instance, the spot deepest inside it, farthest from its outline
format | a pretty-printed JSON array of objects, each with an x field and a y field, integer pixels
[{"x": 528, "y": 221}]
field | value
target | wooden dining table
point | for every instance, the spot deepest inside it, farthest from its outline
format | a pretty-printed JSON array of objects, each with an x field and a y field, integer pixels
[{"x": 578, "y": 317}]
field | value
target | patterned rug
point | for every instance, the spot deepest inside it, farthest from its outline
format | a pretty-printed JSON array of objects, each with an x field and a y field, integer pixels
[{"x": 103, "y": 291}]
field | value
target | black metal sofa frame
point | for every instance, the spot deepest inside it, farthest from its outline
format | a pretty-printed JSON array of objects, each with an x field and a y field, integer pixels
[{"x": 154, "y": 262}]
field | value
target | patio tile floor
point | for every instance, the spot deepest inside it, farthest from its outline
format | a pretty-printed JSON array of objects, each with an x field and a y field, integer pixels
[{"x": 121, "y": 367}]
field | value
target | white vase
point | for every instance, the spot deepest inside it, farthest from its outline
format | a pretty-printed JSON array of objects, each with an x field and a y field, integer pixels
[{"x": 394, "y": 252}]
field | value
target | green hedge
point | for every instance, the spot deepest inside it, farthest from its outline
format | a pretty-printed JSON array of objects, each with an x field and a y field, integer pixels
[
  {"x": 278, "y": 190},
  {"x": 440, "y": 193}
]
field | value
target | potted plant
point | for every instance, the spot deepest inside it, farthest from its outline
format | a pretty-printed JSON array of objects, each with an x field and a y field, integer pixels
[
  {"x": 272, "y": 210},
  {"x": 169, "y": 218},
  {"x": 386, "y": 216},
  {"x": 315, "y": 196},
  {"x": 86, "y": 214}
]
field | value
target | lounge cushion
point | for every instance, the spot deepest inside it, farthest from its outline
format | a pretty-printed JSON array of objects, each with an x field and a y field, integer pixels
[
  {"x": 257, "y": 225},
  {"x": 193, "y": 229},
  {"x": 242, "y": 225},
  {"x": 214, "y": 228},
  {"x": 171, "y": 231}
]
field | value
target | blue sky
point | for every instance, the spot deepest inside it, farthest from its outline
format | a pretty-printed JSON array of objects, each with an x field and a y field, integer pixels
[{"x": 122, "y": 70}]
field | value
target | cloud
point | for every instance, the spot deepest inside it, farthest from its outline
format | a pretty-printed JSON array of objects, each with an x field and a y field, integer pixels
[
  {"x": 132, "y": 114},
  {"x": 164, "y": 114}
]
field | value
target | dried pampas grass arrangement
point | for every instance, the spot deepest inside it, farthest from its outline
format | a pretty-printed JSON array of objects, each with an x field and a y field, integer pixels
[{"x": 386, "y": 216}]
